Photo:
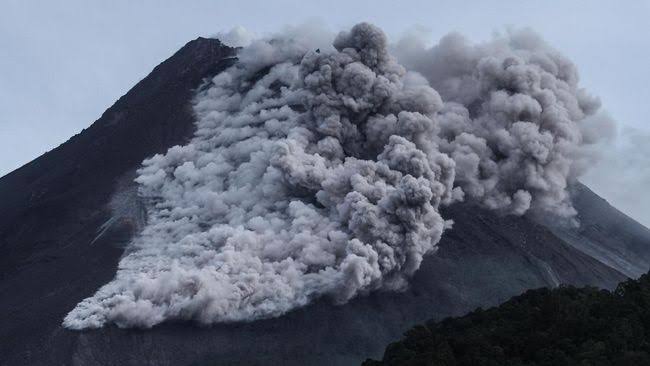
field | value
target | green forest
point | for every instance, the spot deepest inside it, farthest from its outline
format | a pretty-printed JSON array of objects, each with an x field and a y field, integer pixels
[{"x": 550, "y": 327}]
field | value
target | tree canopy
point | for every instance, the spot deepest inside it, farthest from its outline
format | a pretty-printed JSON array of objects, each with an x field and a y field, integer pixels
[{"x": 543, "y": 327}]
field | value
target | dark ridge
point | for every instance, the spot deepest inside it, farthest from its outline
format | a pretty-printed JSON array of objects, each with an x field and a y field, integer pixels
[
  {"x": 52, "y": 208},
  {"x": 606, "y": 234},
  {"x": 77, "y": 177}
]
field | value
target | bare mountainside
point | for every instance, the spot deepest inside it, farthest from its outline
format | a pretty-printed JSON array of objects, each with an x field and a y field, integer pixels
[{"x": 61, "y": 239}]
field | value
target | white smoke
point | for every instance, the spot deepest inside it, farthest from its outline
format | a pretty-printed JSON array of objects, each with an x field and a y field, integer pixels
[
  {"x": 236, "y": 37},
  {"x": 515, "y": 120},
  {"x": 319, "y": 172},
  {"x": 623, "y": 172}
]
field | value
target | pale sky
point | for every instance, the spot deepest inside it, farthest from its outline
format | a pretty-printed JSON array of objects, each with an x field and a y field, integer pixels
[{"x": 63, "y": 63}]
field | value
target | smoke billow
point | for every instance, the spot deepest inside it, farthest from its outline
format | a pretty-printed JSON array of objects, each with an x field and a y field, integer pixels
[
  {"x": 236, "y": 37},
  {"x": 319, "y": 172},
  {"x": 514, "y": 119}
]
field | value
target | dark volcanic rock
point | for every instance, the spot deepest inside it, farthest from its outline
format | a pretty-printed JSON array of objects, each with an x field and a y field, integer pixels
[
  {"x": 606, "y": 234},
  {"x": 52, "y": 210}
]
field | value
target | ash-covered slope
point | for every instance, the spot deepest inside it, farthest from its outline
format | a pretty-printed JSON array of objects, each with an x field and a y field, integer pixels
[
  {"x": 606, "y": 234},
  {"x": 52, "y": 210}
]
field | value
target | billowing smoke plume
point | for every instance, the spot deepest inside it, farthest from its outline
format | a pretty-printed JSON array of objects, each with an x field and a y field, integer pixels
[
  {"x": 236, "y": 37},
  {"x": 319, "y": 172},
  {"x": 512, "y": 118}
]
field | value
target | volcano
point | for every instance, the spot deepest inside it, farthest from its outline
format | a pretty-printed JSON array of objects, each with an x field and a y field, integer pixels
[{"x": 67, "y": 218}]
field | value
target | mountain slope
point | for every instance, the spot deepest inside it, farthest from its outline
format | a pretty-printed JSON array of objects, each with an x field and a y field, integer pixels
[
  {"x": 51, "y": 208},
  {"x": 65, "y": 217},
  {"x": 606, "y": 234}
]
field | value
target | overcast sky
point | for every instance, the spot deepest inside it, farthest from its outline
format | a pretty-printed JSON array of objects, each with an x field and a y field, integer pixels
[{"x": 61, "y": 66}]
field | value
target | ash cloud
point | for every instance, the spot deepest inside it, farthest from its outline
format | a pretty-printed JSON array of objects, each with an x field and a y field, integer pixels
[
  {"x": 236, "y": 37},
  {"x": 515, "y": 119},
  {"x": 623, "y": 172},
  {"x": 318, "y": 171}
]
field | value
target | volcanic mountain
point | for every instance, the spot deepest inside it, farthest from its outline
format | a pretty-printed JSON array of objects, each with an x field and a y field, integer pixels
[{"x": 67, "y": 217}]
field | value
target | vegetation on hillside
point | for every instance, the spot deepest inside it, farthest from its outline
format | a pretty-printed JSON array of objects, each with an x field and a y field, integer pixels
[{"x": 554, "y": 327}]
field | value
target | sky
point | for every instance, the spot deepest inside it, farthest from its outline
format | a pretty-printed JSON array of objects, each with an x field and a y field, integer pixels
[{"x": 63, "y": 63}]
